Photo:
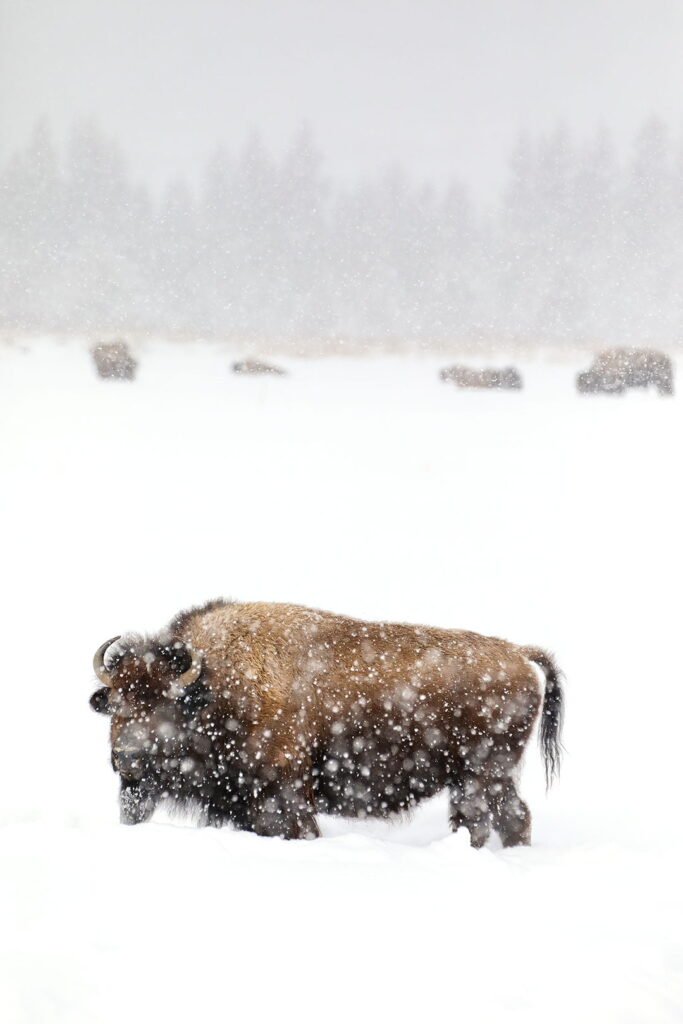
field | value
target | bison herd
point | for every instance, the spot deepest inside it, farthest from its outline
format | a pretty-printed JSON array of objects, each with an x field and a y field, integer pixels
[
  {"x": 612, "y": 372},
  {"x": 263, "y": 716}
]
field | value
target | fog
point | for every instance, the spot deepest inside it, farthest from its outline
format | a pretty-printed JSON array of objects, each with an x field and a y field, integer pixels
[
  {"x": 443, "y": 88},
  {"x": 491, "y": 174}
]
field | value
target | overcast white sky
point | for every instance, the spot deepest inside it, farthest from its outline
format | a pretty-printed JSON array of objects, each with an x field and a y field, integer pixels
[{"x": 443, "y": 86}]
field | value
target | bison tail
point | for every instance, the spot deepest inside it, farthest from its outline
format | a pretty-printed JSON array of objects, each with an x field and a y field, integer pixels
[{"x": 552, "y": 713}]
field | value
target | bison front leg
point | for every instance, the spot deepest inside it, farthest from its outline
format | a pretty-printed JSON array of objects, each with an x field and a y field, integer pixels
[
  {"x": 136, "y": 802},
  {"x": 282, "y": 807}
]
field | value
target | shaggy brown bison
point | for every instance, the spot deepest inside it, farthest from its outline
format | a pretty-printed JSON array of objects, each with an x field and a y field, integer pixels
[
  {"x": 615, "y": 371},
  {"x": 254, "y": 368},
  {"x": 263, "y": 715},
  {"x": 466, "y": 377},
  {"x": 113, "y": 361}
]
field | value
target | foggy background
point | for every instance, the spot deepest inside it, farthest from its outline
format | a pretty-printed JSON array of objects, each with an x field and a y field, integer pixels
[{"x": 377, "y": 172}]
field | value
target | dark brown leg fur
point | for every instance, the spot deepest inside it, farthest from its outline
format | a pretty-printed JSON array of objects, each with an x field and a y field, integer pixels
[
  {"x": 469, "y": 808},
  {"x": 511, "y": 816},
  {"x": 282, "y": 809},
  {"x": 480, "y": 805}
]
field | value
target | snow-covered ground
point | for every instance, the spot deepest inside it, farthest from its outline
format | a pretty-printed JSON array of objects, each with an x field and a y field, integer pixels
[{"x": 363, "y": 486}]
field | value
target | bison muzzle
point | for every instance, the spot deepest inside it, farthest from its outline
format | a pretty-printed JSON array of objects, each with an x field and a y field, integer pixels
[{"x": 264, "y": 715}]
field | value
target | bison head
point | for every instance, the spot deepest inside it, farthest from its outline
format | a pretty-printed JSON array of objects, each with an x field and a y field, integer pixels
[{"x": 154, "y": 693}]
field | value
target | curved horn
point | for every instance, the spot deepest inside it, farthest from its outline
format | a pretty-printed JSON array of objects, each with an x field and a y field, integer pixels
[
  {"x": 98, "y": 661},
  {"x": 192, "y": 673}
]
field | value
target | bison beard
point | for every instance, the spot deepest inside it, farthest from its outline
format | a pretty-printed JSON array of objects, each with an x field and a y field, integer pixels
[{"x": 263, "y": 715}]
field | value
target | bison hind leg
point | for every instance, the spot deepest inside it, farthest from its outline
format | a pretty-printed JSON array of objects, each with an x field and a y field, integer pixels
[
  {"x": 511, "y": 815},
  {"x": 470, "y": 809},
  {"x": 482, "y": 804}
]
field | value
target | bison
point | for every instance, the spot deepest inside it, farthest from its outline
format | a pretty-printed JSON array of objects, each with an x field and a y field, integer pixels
[
  {"x": 264, "y": 715},
  {"x": 466, "y": 377},
  {"x": 615, "y": 371},
  {"x": 255, "y": 368},
  {"x": 114, "y": 361}
]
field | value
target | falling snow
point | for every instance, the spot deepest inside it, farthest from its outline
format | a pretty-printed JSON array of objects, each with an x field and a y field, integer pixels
[{"x": 141, "y": 498}]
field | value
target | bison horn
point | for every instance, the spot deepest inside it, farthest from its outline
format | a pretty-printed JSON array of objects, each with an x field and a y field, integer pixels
[{"x": 98, "y": 661}]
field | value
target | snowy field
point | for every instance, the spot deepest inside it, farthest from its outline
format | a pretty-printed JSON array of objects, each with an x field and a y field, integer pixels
[{"x": 363, "y": 486}]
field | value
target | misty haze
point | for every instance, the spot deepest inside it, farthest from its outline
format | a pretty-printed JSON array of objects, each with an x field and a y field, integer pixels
[
  {"x": 359, "y": 173},
  {"x": 577, "y": 250}
]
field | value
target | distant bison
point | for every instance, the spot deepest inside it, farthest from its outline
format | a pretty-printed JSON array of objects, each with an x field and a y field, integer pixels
[
  {"x": 253, "y": 367},
  {"x": 264, "y": 715},
  {"x": 615, "y": 371},
  {"x": 466, "y": 377},
  {"x": 114, "y": 361}
]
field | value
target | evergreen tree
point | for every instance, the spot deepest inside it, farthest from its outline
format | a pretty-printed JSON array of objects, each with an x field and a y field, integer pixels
[{"x": 579, "y": 248}]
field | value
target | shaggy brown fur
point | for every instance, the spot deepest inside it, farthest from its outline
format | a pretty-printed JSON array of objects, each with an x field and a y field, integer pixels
[
  {"x": 255, "y": 368},
  {"x": 466, "y": 377},
  {"x": 299, "y": 711},
  {"x": 619, "y": 369},
  {"x": 113, "y": 361}
]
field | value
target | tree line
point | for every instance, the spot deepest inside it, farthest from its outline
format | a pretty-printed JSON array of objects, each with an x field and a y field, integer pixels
[{"x": 581, "y": 247}]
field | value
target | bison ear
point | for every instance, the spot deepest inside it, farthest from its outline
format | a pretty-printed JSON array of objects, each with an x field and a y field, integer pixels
[
  {"x": 195, "y": 697},
  {"x": 100, "y": 701}
]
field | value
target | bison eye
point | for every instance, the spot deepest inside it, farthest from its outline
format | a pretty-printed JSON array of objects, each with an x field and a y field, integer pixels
[
  {"x": 195, "y": 697},
  {"x": 100, "y": 701}
]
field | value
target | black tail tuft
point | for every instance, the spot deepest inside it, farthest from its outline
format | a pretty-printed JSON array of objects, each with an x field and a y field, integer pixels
[{"x": 552, "y": 713}]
